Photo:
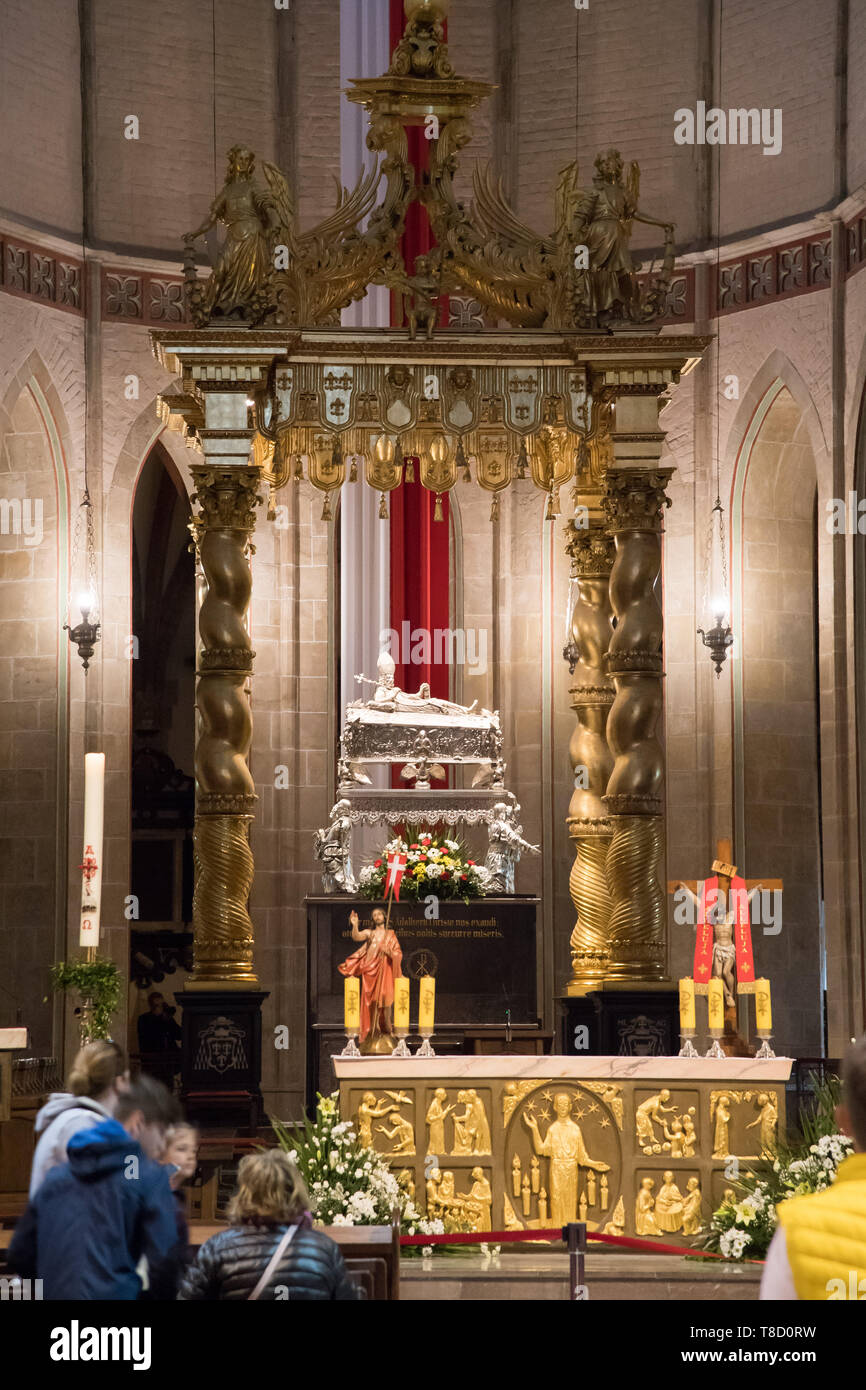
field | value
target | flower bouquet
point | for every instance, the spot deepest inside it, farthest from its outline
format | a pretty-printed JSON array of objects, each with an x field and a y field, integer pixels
[
  {"x": 349, "y": 1184},
  {"x": 433, "y": 865}
]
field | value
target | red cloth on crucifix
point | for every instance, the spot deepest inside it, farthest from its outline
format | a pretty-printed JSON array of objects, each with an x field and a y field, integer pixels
[
  {"x": 377, "y": 966},
  {"x": 742, "y": 936}
]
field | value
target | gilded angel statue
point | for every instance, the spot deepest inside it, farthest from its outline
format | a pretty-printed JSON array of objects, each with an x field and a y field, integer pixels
[
  {"x": 580, "y": 276},
  {"x": 269, "y": 270}
]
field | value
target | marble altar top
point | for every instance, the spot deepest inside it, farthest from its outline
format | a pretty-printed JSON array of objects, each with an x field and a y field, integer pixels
[{"x": 726, "y": 1070}]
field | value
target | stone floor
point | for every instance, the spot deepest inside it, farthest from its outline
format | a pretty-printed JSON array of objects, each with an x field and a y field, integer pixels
[{"x": 610, "y": 1276}]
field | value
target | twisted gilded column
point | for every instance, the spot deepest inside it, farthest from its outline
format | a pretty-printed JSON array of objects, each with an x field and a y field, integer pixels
[
  {"x": 225, "y": 794},
  {"x": 634, "y": 501},
  {"x": 592, "y": 693}
]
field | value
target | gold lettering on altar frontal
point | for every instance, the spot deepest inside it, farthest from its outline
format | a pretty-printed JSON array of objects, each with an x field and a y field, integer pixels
[{"x": 643, "y": 1157}]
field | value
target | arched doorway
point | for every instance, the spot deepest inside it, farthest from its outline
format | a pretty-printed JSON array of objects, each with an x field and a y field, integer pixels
[{"x": 163, "y": 735}]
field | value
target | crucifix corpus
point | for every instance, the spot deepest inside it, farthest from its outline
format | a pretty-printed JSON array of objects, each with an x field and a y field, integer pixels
[{"x": 723, "y": 946}]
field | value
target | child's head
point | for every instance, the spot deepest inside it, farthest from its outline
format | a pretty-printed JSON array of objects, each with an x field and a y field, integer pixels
[{"x": 181, "y": 1148}]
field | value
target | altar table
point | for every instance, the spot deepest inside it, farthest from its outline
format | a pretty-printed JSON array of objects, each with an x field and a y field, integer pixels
[{"x": 643, "y": 1146}]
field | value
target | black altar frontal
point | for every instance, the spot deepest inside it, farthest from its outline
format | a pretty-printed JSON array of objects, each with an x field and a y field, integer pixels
[{"x": 483, "y": 954}]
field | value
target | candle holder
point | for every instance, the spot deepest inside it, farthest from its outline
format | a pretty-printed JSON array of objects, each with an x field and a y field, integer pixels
[
  {"x": 425, "y": 1050},
  {"x": 764, "y": 1053},
  {"x": 715, "y": 1048},
  {"x": 688, "y": 1048},
  {"x": 351, "y": 1049},
  {"x": 401, "y": 1050}
]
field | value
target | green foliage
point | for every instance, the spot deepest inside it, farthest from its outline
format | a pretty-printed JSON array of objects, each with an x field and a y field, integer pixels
[{"x": 99, "y": 983}]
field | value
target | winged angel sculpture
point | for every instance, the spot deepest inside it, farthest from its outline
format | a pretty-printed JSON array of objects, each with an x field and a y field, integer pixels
[
  {"x": 582, "y": 276},
  {"x": 267, "y": 268}
]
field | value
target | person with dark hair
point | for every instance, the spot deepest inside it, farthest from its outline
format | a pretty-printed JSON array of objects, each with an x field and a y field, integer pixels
[
  {"x": 94, "y": 1217},
  {"x": 158, "y": 1036},
  {"x": 97, "y": 1077},
  {"x": 270, "y": 1243},
  {"x": 819, "y": 1249}
]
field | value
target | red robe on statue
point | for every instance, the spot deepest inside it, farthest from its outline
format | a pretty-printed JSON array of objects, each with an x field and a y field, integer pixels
[{"x": 377, "y": 969}]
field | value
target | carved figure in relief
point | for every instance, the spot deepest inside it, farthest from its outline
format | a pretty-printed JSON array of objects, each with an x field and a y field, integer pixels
[
  {"x": 674, "y": 1136},
  {"x": 402, "y": 1133},
  {"x": 481, "y": 1196},
  {"x": 406, "y": 1181},
  {"x": 644, "y": 1220},
  {"x": 721, "y": 1133},
  {"x": 433, "y": 1182},
  {"x": 563, "y": 1145},
  {"x": 690, "y": 1137},
  {"x": 692, "y": 1208},
  {"x": 669, "y": 1205},
  {"x": 768, "y": 1119},
  {"x": 370, "y": 1109},
  {"x": 480, "y": 1123},
  {"x": 652, "y": 1110},
  {"x": 464, "y": 1134},
  {"x": 437, "y": 1114}
]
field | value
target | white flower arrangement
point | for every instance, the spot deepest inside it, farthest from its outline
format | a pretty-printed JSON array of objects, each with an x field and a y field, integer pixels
[{"x": 349, "y": 1184}]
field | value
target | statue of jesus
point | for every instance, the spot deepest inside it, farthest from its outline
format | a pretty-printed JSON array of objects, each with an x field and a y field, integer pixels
[
  {"x": 377, "y": 964},
  {"x": 563, "y": 1145}
]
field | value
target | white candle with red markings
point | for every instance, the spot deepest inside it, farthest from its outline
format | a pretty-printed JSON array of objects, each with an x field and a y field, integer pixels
[{"x": 91, "y": 863}]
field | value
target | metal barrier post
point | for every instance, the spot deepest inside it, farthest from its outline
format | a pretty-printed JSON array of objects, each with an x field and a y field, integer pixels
[{"x": 574, "y": 1235}]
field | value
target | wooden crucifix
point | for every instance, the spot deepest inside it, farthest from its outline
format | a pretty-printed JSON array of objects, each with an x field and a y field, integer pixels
[{"x": 723, "y": 946}]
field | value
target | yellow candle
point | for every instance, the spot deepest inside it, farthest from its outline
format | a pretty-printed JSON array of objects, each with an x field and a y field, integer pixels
[
  {"x": 687, "y": 1006},
  {"x": 401, "y": 1005},
  {"x": 716, "y": 1004},
  {"x": 91, "y": 864},
  {"x": 352, "y": 1005},
  {"x": 426, "y": 1003},
  {"x": 763, "y": 1011}
]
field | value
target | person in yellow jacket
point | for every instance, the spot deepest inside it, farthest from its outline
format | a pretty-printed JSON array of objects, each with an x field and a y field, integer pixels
[{"x": 819, "y": 1249}]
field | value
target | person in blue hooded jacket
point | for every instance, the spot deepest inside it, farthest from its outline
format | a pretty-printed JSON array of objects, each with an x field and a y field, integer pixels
[{"x": 95, "y": 1217}]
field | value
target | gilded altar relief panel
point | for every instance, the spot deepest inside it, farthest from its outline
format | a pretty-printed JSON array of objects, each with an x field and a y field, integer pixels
[
  {"x": 562, "y": 1153},
  {"x": 384, "y": 1120},
  {"x": 666, "y": 1121},
  {"x": 743, "y": 1124},
  {"x": 457, "y": 1121}
]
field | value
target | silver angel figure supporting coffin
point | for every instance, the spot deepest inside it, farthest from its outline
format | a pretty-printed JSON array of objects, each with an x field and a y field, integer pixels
[
  {"x": 506, "y": 841},
  {"x": 333, "y": 850}
]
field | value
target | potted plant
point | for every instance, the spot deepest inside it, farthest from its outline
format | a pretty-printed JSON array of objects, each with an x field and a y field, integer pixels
[{"x": 98, "y": 982}]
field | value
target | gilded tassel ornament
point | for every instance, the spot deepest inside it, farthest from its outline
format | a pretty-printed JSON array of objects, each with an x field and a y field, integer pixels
[
  {"x": 353, "y": 469},
  {"x": 437, "y": 510},
  {"x": 522, "y": 460},
  {"x": 272, "y": 503},
  {"x": 410, "y": 469},
  {"x": 299, "y": 468},
  {"x": 494, "y": 507},
  {"x": 549, "y": 514},
  {"x": 463, "y": 462},
  {"x": 326, "y": 510},
  {"x": 383, "y": 508}
]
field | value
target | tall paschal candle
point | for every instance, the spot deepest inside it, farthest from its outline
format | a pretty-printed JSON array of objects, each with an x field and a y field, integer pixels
[{"x": 91, "y": 864}]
